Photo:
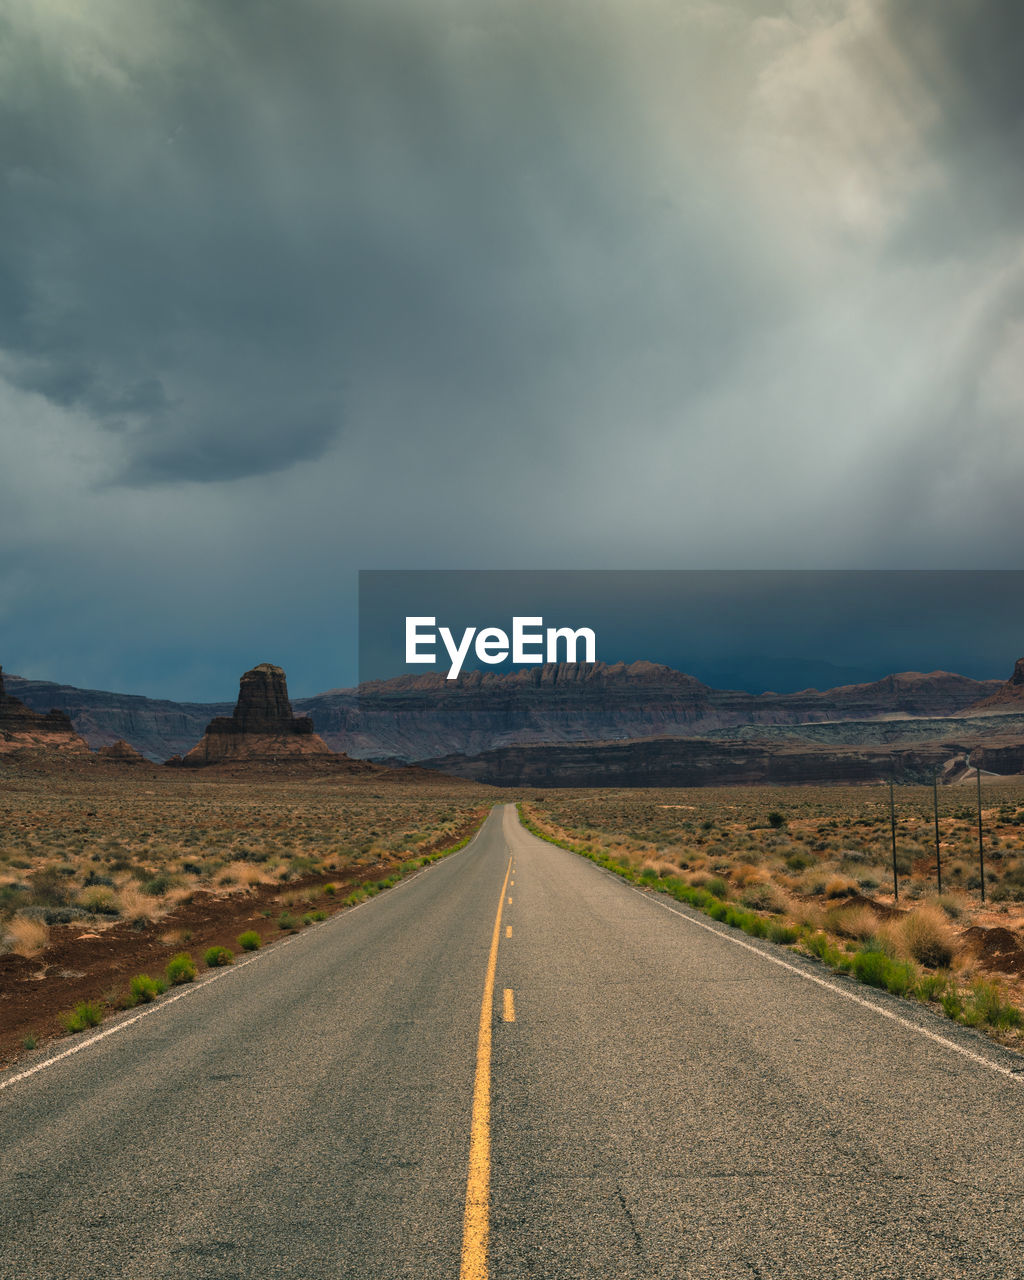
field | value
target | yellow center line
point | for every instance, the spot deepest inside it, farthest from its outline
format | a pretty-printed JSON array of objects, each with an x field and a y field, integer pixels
[
  {"x": 508, "y": 1012},
  {"x": 476, "y": 1221}
]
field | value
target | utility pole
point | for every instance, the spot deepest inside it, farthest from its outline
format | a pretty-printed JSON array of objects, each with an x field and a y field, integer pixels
[
  {"x": 938, "y": 855},
  {"x": 892, "y": 820},
  {"x": 981, "y": 838}
]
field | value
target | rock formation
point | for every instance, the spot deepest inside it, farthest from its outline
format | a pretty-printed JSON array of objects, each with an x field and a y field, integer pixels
[
  {"x": 154, "y": 726},
  {"x": 262, "y": 728},
  {"x": 417, "y": 717},
  {"x": 1002, "y": 757},
  {"x": 690, "y": 762},
  {"x": 121, "y": 752},
  {"x": 24, "y": 730},
  {"x": 1007, "y": 698}
]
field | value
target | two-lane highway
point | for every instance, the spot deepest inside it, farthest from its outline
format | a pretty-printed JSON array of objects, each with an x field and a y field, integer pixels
[{"x": 515, "y": 1065}]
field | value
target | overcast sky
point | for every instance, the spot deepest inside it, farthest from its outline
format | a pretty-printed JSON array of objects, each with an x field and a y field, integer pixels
[{"x": 288, "y": 290}]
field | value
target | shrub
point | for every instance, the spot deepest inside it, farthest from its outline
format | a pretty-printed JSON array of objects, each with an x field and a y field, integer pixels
[
  {"x": 928, "y": 936},
  {"x": 932, "y": 986},
  {"x": 776, "y": 819},
  {"x": 876, "y": 969},
  {"x": 25, "y": 936},
  {"x": 142, "y": 989},
  {"x": 29, "y": 1042},
  {"x": 890, "y": 939},
  {"x": 871, "y": 967},
  {"x": 852, "y": 922},
  {"x": 953, "y": 907},
  {"x": 717, "y": 886},
  {"x": 250, "y": 940},
  {"x": 782, "y": 933},
  {"x": 901, "y": 977},
  {"x": 989, "y": 1006},
  {"x": 217, "y": 956},
  {"x": 764, "y": 896},
  {"x": 86, "y": 1014},
  {"x": 754, "y": 925},
  {"x": 181, "y": 968},
  {"x": 100, "y": 901},
  {"x": 287, "y": 921},
  {"x": 330, "y": 890},
  {"x": 157, "y": 886}
]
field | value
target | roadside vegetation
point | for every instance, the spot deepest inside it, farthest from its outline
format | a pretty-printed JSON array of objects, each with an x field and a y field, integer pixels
[
  {"x": 107, "y": 860},
  {"x": 811, "y": 868},
  {"x": 101, "y": 854}
]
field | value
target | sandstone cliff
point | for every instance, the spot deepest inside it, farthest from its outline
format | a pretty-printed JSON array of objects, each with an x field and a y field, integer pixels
[
  {"x": 1009, "y": 697},
  {"x": 692, "y": 762},
  {"x": 262, "y": 728},
  {"x": 24, "y": 730},
  {"x": 153, "y": 726},
  {"x": 413, "y": 717}
]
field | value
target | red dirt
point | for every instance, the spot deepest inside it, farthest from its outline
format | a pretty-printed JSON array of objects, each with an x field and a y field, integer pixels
[
  {"x": 84, "y": 964},
  {"x": 997, "y": 948},
  {"x": 881, "y": 909}
]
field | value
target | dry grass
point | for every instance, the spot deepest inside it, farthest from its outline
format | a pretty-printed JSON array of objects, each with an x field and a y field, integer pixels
[
  {"x": 99, "y": 851},
  {"x": 26, "y": 937},
  {"x": 835, "y": 843},
  {"x": 929, "y": 937},
  {"x": 136, "y": 907},
  {"x": 892, "y": 940},
  {"x": 857, "y": 921},
  {"x": 244, "y": 875},
  {"x": 840, "y": 887}
]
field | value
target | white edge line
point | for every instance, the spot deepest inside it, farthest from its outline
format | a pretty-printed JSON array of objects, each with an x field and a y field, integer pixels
[
  {"x": 980, "y": 1059},
  {"x": 207, "y": 979}
]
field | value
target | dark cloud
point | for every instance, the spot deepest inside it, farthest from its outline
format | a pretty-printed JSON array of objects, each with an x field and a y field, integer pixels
[
  {"x": 968, "y": 59},
  {"x": 668, "y": 284},
  {"x": 206, "y": 237}
]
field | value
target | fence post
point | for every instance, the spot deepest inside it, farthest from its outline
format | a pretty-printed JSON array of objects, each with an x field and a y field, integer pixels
[
  {"x": 938, "y": 855},
  {"x": 892, "y": 820},
  {"x": 981, "y": 838}
]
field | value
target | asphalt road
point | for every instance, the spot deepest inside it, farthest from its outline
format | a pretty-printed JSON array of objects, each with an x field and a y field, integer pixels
[{"x": 667, "y": 1102}]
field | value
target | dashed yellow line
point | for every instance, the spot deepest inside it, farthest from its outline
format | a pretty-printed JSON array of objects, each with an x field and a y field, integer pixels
[
  {"x": 476, "y": 1220},
  {"x": 508, "y": 1012},
  {"x": 508, "y": 931}
]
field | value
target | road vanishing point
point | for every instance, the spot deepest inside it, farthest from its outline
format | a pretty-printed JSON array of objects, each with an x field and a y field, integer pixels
[{"x": 513, "y": 1065}]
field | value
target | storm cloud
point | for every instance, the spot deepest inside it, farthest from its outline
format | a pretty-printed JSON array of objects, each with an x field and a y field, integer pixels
[{"x": 288, "y": 290}]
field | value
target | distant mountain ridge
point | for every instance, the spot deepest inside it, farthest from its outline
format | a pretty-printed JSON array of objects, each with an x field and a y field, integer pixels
[
  {"x": 416, "y": 717},
  {"x": 155, "y": 727}
]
